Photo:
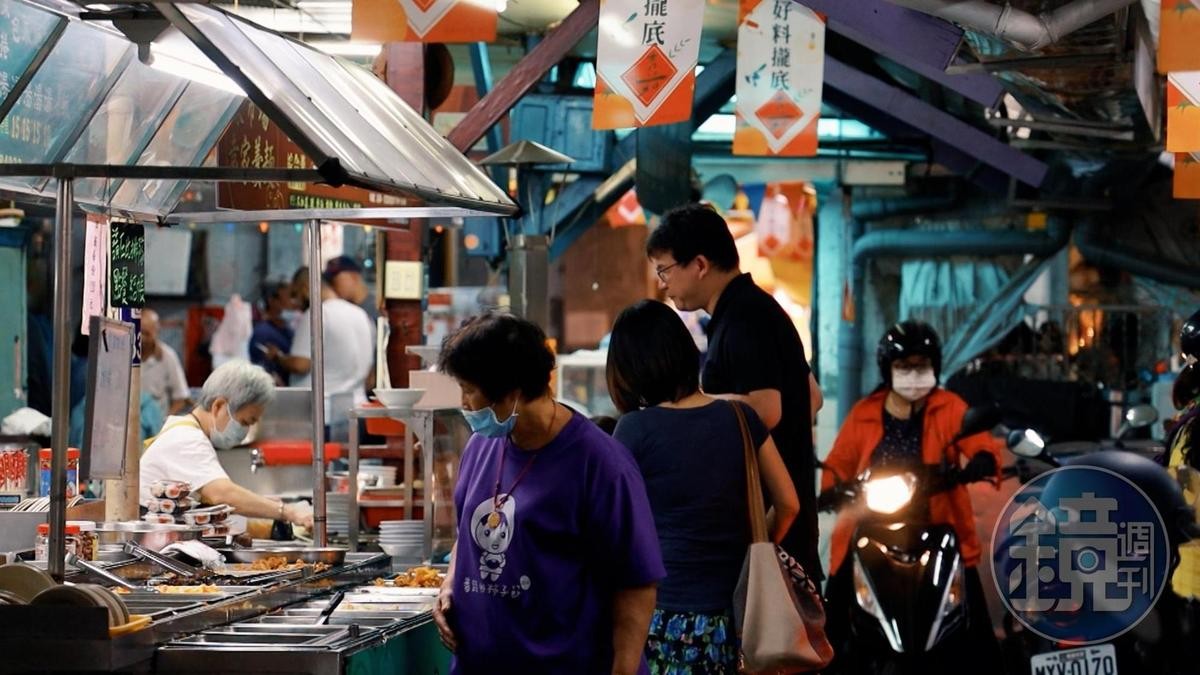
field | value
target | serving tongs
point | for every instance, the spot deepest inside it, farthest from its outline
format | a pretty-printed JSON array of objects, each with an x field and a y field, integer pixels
[
  {"x": 181, "y": 569},
  {"x": 96, "y": 570}
]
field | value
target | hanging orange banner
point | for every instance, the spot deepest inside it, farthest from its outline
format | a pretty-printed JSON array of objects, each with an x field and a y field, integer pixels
[
  {"x": 646, "y": 62},
  {"x": 1187, "y": 176},
  {"x": 1183, "y": 111},
  {"x": 780, "y": 73},
  {"x": 785, "y": 221},
  {"x": 449, "y": 21},
  {"x": 1178, "y": 28},
  {"x": 626, "y": 212}
]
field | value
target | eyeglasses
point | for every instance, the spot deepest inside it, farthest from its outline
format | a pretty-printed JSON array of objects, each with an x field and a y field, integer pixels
[{"x": 662, "y": 272}]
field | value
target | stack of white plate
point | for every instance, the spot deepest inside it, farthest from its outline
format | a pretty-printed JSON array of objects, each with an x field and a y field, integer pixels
[
  {"x": 337, "y": 511},
  {"x": 385, "y": 475},
  {"x": 402, "y": 539}
]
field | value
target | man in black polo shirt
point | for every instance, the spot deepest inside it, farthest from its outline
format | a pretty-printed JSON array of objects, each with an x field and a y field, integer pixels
[{"x": 754, "y": 352}]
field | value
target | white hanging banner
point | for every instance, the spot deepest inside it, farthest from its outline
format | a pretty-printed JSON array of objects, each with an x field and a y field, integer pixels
[
  {"x": 780, "y": 73},
  {"x": 95, "y": 269},
  {"x": 646, "y": 62}
]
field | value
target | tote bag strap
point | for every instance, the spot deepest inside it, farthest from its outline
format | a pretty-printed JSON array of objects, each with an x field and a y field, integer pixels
[{"x": 754, "y": 495}]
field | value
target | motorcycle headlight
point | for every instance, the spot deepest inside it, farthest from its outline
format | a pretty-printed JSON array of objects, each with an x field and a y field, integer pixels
[{"x": 889, "y": 494}]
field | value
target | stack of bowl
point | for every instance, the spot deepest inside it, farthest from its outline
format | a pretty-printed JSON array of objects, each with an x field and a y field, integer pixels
[
  {"x": 377, "y": 475},
  {"x": 402, "y": 539},
  {"x": 337, "y": 511}
]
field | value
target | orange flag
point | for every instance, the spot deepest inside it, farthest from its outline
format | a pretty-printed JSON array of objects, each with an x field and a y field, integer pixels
[
  {"x": 1183, "y": 111},
  {"x": 1178, "y": 28}
]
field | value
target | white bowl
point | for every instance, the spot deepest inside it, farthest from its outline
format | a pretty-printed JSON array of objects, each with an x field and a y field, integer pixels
[{"x": 399, "y": 398}]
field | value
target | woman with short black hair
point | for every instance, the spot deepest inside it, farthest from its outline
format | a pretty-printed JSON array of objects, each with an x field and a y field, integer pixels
[
  {"x": 690, "y": 450},
  {"x": 557, "y": 560}
]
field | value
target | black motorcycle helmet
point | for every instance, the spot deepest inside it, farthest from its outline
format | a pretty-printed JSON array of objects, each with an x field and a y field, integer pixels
[
  {"x": 1187, "y": 384},
  {"x": 1189, "y": 337},
  {"x": 905, "y": 339},
  {"x": 1158, "y": 484}
]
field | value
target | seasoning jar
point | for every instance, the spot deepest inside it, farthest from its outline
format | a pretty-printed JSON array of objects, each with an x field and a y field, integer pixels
[
  {"x": 89, "y": 541},
  {"x": 41, "y": 545}
]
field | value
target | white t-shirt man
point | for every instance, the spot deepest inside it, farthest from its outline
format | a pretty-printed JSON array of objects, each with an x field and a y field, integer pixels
[
  {"x": 180, "y": 452},
  {"x": 163, "y": 378},
  {"x": 349, "y": 352}
]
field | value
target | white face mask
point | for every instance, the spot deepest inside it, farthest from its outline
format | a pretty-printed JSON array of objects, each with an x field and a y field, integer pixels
[{"x": 913, "y": 385}]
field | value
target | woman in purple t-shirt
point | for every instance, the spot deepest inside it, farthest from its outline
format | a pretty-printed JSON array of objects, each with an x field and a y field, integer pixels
[
  {"x": 691, "y": 454},
  {"x": 556, "y": 564}
]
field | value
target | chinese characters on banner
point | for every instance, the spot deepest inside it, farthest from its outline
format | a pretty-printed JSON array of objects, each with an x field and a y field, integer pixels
[
  {"x": 253, "y": 141},
  {"x": 646, "y": 62},
  {"x": 1179, "y": 24},
  {"x": 450, "y": 21},
  {"x": 780, "y": 72}
]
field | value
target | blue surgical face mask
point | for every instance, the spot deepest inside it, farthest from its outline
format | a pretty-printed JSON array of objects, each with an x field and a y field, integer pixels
[
  {"x": 484, "y": 422},
  {"x": 230, "y": 436}
]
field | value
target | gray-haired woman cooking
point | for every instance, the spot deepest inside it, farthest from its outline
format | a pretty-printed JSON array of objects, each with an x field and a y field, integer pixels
[{"x": 233, "y": 399}]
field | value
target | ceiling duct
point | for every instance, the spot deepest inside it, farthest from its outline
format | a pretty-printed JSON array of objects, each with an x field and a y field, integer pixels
[{"x": 1026, "y": 30}]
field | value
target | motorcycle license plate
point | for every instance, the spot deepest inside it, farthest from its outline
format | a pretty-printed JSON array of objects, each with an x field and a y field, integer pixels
[{"x": 1093, "y": 660}]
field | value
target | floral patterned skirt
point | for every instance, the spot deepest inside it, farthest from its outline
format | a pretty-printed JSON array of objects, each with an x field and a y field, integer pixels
[{"x": 691, "y": 643}]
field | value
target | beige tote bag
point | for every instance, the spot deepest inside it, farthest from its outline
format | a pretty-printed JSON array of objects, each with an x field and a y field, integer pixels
[{"x": 777, "y": 609}]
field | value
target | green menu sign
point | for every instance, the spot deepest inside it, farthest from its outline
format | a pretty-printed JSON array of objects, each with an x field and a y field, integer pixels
[{"x": 127, "y": 265}]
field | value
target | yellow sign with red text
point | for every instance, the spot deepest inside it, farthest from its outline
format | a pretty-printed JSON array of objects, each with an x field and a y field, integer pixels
[
  {"x": 448, "y": 21},
  {"x": 1178, "y": 28},
  {"x": 646, "y": 62},
  {"x": 780, "y": 73},
  {"x": 1183, "y": 111}
]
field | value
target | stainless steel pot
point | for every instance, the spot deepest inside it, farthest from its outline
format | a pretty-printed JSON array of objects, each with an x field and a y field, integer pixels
[
  {"x": 329, "y": 556},
  {"x": 153, "y": 536}
]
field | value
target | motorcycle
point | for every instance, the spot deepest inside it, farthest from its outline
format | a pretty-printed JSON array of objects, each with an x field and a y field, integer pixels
[
  {"x": 1149, "y": 646},
  {"x": 908, "y": 573},
  {"x": 1040, "y": 455}
]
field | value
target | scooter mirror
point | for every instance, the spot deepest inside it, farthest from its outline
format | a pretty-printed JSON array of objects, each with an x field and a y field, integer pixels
[
  {"x": 1140, "y": 416},
  {"x": 1026, "y": 443},
  {"x": 978, "y": 420}
]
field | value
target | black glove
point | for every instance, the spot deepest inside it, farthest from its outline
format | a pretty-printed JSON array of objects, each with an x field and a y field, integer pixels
[
  {"x": 833, "y": 498},
  {"x": 982, "y": 466}
]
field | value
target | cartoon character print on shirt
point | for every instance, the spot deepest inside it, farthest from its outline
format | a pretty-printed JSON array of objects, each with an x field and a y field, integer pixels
[{"x": 493, "y": 532}]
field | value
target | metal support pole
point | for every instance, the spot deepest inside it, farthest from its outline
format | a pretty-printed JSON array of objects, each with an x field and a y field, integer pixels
[
  {"x": 61, "y": 402},
  {"x": 317, "y": 370},
  {"x": 352, "y": 498}
]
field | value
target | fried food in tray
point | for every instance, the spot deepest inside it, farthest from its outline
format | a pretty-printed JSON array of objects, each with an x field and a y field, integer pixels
[
  {"x": 276, "y": 563},
  {"x": 414, "y": 577},
  {"x": 199, "y": 589}
]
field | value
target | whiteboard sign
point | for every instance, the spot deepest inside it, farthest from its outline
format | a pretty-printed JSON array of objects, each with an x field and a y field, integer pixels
[
  {"x": 168, "y": 259},
  {"x": 106, "y": 424},
  {"x": 403, "y": 280}
]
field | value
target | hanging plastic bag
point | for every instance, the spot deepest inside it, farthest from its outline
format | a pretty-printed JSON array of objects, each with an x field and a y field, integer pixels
[{"x": 231, "y": 340}]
